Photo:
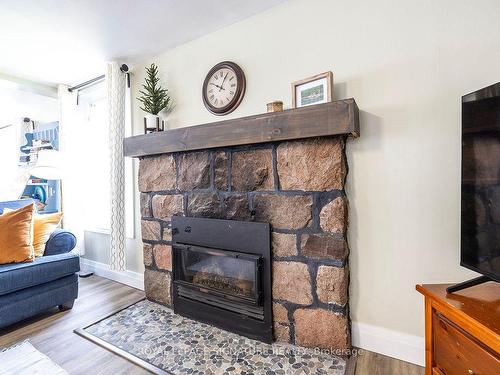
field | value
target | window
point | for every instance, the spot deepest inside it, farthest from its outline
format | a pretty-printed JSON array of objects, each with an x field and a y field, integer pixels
[{"x": 95, "y": 183}]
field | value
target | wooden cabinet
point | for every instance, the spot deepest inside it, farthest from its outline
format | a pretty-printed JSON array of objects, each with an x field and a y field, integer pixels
[{"x": 462, "y": 330}]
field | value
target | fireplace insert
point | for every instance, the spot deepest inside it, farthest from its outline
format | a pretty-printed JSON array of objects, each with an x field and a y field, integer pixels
[{"x": 222, "y": 274}]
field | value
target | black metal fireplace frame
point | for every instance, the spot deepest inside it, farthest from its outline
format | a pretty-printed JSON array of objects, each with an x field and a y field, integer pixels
[{"x": 249, "y": 240}]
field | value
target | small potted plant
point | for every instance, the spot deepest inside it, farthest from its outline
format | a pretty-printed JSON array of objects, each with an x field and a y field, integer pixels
[{"x": 154, "y": 99}]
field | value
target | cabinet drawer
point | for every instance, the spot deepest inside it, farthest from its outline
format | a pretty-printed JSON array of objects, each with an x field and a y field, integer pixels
[{"x": 456, "y": 352}]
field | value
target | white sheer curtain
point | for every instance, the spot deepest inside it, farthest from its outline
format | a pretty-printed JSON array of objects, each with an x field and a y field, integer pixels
[
  {"x": 115, "y": 84},
  {"x": 75, "y": 171}
]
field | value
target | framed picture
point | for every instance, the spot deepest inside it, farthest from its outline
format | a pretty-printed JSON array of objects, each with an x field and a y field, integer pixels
[{"x": 313, "y": 90}]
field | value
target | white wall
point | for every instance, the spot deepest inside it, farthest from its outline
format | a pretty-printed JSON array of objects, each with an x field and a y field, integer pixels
[{"x": 406, "y": 63}]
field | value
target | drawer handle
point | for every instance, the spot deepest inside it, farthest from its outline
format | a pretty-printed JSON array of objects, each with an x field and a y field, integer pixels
[{"x": 470, "y": 372}]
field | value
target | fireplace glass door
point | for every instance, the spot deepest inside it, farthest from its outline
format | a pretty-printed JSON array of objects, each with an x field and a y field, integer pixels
[{"x": 227, "y": 274}]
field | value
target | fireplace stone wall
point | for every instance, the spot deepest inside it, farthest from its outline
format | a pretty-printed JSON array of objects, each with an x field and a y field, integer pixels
[{"x": 296, "y": 186}]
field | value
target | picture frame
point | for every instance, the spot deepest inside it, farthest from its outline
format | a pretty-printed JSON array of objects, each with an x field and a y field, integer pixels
[{"x": 313, "y": 90}]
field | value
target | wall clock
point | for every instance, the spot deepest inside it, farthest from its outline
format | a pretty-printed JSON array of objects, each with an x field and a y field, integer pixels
[{"x": 223, "y": 88}]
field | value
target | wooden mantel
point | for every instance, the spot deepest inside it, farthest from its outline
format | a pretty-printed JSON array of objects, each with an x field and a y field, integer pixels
[{"x": 335, "y": 118}]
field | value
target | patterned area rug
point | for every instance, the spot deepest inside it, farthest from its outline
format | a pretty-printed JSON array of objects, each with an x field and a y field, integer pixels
[
  {"x": 179, "y": 345},
  {"x": 24, "y": 359}
]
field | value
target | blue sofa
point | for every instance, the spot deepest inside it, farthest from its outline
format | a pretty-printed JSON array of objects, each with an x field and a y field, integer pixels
[{"x": 27, "y": 289}]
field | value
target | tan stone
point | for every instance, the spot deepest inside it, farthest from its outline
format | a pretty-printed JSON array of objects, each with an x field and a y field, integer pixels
[
  {"x": 157, "y": 173},
  {"x": 280, "y": 313},
  {"x": 237, "y": 207},
  {"x": 318, "y": 328},
  {"x": 281, "y": 332},
  {"x": 167, "y": 234},
  {"x": 286, "y": 212},
  {"x": 284, "y": 245},
  {"x": 147, "y": 251},
  {"x": 165, "y": 206},
  {"x": 221, "y": 171},
  {"x": 204, "y": 205},
  {"x": 150, "y": 230},
  {"x": 145, "y": 200},
  {"x": 312, "y": 165},
  {"x": 333, "y": 216},
  {"x": 157, "y": 286},
  {"x": 292, "y": 282},
  {"x": 323, "y": 247},
  {"x": 194, "y": 171},
  {"x": 163, "y": 257},
  {"x": 332, "y": 285},
  {"x": 252, "y": 170}
]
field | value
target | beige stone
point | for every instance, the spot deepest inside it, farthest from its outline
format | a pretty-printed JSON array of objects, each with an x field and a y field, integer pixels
[
  {"x": 281, "y": 333},
  {"x": 163, "y": 257},
  {"x": 147, "y": 251},
  {"x": 333, "y": 216},
  {"x": 319, "y": 328},
  {"x": 221, "y": 171},
  {"x": 322, "y": 246},
  {"x": 252, "y": 170},
  {"x": 165, "y": 206},
  {"x": 157, "y": 286},
  {"x": 284, "y": 245},
  {"x": 237, "y": 207},
  {"x": 204, "y": 205},
  {"x": 280, "y": 313},
  {"x": 145, "y": 200},
  {"x": 157, "y": 173},
  {"x": 194, "y": 170},
  {"x": 150, "y": 230},
  {"x": 332, "y": 285},
  {"x": 292, "y": 282},
  {"x": 167, "y": 234},
  {"x": 312, "y": 165},
  {"x": 285, "y": 212}
]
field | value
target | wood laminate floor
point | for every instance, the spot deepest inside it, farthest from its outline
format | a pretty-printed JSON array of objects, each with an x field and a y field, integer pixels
[{"x": 52, "y": 334}]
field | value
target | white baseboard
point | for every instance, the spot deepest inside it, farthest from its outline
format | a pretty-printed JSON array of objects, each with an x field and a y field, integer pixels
[
  {"x": 133, "y": 279},
  {"x": 394, "y": 344}
]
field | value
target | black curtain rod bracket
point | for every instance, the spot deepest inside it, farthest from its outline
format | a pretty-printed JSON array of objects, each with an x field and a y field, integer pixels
[{"x": 123, "y": 68}]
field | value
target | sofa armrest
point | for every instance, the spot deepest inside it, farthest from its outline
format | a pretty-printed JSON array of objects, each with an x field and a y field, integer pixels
[{"x": 60, "y": 241}]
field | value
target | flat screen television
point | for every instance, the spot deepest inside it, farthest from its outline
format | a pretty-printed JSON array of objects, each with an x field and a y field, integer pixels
[{"x": 480, "y": 212}]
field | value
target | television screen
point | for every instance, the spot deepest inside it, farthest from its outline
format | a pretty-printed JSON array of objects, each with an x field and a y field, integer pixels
[{"x": 480, "y": 232}]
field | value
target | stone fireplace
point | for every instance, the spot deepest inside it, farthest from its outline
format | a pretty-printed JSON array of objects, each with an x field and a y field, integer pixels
[{"x": 297, "y": 187}]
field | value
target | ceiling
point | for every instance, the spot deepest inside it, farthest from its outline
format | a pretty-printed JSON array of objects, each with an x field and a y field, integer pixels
[{"x": 68, "y": 41}]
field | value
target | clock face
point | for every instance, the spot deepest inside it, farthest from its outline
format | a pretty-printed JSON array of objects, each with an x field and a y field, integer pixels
[{"x": 223, "y": 88}]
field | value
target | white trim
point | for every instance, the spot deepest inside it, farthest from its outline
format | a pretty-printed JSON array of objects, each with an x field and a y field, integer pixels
[
  {"x": 130, "y": 278},
  {"x": 394, "y": 344}
]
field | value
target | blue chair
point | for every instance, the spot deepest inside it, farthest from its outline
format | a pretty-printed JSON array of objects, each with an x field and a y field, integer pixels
[{"x": 26, "y": 289}]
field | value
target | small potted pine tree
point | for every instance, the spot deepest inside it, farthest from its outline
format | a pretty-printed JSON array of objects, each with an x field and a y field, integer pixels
[{"x": 154, "y": 98}]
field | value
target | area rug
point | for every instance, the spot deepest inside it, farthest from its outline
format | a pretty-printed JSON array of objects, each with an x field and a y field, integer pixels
[
  {"x": 153, "y": 334},
  {"x": 24, "y": 359}
]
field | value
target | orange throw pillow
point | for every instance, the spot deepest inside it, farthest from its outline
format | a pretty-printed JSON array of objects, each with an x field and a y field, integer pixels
[
  {"x": 16, "y": 235},
  {"x": 44, "y": 226}
]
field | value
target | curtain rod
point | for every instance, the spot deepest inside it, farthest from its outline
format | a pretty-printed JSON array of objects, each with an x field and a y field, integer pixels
[{"x": 123, "y": 68}]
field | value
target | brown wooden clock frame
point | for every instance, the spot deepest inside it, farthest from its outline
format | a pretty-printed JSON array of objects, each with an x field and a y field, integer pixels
[{"x": 240, "y": 91}]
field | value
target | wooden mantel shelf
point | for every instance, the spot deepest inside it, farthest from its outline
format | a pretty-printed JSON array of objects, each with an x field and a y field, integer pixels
[{"x": 335, "y": 118}]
